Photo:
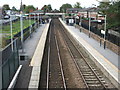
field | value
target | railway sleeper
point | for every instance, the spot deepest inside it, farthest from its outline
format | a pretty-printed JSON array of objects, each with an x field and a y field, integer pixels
[
  {"x": 96, "y": 88},
  {"x": 88, "y": 74},
  {"x": 91, "y": 79},
  {"x": 95, "y": 85},
  {"x": 93, "y": 82},
  {"x": 85, "y": 69}
]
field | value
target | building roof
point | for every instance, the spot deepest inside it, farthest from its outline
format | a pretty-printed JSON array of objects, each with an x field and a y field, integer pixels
[
  {"x": 84, "y": 9},
  {"x": 74, "y": 9},
  {"x": 37, "y": 11}
]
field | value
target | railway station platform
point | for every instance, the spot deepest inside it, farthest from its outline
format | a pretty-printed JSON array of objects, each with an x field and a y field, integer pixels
[
  {"x": 30, "y": 47},
  {"x": 37, "y": 59},
  {"x": 105, "y": 59}
]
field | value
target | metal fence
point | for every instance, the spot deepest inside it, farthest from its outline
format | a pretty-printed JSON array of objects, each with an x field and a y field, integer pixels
[
  {"x": 112, "y": 38},
  {"x": 10, "y": 55},
  {"x": 26, "y": 34},
  {"x": 10, "y": 62}
]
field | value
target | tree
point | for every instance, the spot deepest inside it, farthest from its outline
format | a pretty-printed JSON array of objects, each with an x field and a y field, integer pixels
[
  {"x": 22, "y": 8},
  {"x": 65, "y": 6},
  {"x": 47, "y": 8},
  {"x": 112, "y": 10},
  {"x": 6, "y": 7},
  {"x": 29, "y": 8},
  {"x": 3, "y": 12},
  {"x": 14, "y": 9},
  {"x": 113, "y": 15},
  {"x": 103, "y": 7},
  {"x": 44, "y": 8},
  {"x": 77, "y": 5}
]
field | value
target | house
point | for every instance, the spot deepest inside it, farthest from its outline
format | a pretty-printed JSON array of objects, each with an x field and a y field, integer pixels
[
  {"x": 85, "y": 12},
  {"x": 73, "y": 10}
]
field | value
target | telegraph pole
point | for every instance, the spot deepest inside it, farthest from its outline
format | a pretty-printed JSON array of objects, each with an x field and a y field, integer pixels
[
  {"x": 21, "y": 25},
  {"x": 89, "y": 23},
  {"x": 11, "y": 32},
  {"x": 30, "y": 26},
  {"x": 105, "y": 33}
]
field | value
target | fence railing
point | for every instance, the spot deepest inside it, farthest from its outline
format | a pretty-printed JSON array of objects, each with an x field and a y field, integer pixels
[
  {"x": 26, "y": 34},
  {"x": 10, "y": 56},
  {"x": 10, "y": 62},
  {"x": 112, "y": 38}
]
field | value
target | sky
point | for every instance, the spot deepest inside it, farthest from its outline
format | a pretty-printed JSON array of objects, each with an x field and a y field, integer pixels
[{"x": 56, "y": 4}]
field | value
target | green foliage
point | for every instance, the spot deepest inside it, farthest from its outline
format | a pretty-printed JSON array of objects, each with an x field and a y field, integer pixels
[
  {"x": 47, "y": 8},
  {"x": 3, "y": 42},
  {"x": 14, "y": 9},
  {"x": 65, "y": 6},
  {"x": 28, "y": 8},
  {"x": 6, "y": 7},
  {"x": 77, "y": 5},
  {"x": 3, "y": 11},
  {"x": 113, "y": 13},
  {"x": 104, "y": 7}
]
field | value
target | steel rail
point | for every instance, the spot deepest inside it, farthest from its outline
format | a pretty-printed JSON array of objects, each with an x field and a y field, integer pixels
[
  {"x": 75, "y": 62},
  {"x": 59, "y": 57},
  {"x": 48, "y": 67},
  {"x": 64, "y": 83}
]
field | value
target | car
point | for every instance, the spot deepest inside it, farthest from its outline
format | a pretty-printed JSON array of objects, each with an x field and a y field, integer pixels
[{"x": 6, "y": 16}]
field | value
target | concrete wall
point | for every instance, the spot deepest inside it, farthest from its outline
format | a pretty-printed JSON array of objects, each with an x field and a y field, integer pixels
[{"x": 109, "y": 45}]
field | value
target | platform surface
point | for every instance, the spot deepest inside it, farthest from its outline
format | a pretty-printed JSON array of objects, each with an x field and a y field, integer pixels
[
  {"x": 37, "y": 60},
  {"x": 30, "y": 46}
]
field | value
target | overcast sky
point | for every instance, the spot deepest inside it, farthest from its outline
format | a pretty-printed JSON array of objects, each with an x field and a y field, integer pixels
[{"x": 56, "y": 4}]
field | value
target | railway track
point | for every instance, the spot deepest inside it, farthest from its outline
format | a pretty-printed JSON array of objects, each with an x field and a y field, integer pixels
[
  {"x": 55, "y": 75},
  {"x": 91, "y": 79}
]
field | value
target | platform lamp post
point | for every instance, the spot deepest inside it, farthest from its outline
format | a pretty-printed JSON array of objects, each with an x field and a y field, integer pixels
[
  {"x": 105, "y": 33},
  {"x": 63, "y": 14},
  {"x": 21, "y": 26},
  {"x": 35, "y": 21},
  {"x": 80, "y": 19},
  {"x": 11, "y": 31},
  {"x": 89, "y": 23},
  {"x": 80, "y": 22},
  {"x": 30, "y": 24},
  {"x": 75, "y": 20},
  {"x": 38, "y": 19},
  {"x": 34, "y": 17}
]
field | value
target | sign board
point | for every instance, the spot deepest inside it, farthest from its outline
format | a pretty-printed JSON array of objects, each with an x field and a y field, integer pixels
[
  {"x": 77, "y": 17},
  {"x": 102, "y": 31},
  {"x": 99, "y": 20},
  {"x": 71, "y": 21}
]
